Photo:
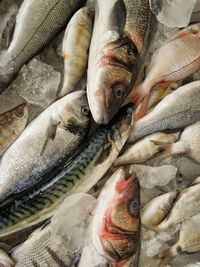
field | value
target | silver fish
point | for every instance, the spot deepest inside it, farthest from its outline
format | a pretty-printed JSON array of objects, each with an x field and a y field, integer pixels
[
  {"x": 60, "y": 242},
  {"x": 36, "y": 24},
  {"x": 45, "y": 145},
  {"x": 177, "y": 110},
  {"x": 12, "y": 123}
]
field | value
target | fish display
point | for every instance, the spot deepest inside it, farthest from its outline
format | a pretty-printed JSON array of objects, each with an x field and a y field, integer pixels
[
  {"x": 176, "y": 59},
  {"x": 79, "y": 175},
  {"x": 185, "y": 206},
  {"x": 157, "y": 209},
  {"x": 60, "y": 242},
  {"x": 176, "y": 111},
  {"x": 37, "y": 23},
  {"x": 116, "y": 222},
  {"x": 189, "y": 144},
  {"x": 12, "y": 123},
  {"x": 144, "y": 149},
  {"x": 189, "y": 240},
  {"x": 45, "y": 145},
  {"x": 120, "y": 38},
  {"x": 75, "y": 48}
]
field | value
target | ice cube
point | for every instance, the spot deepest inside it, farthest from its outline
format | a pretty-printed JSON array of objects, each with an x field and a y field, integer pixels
[
  {"x": 37, "y": 83},
  {"x": 154, "y": 176}
]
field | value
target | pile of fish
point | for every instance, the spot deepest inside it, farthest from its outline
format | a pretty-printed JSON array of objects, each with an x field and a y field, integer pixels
[{"x": 72, "y": 192}]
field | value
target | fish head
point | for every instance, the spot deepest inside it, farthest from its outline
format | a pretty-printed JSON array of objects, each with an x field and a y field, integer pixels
[
  {"x": 121, "y": 228},
  {"x": 114, "y": 75}
]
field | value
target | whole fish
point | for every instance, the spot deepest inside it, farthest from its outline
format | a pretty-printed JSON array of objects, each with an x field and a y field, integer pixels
[
  {"x": 116, "y": 222},
  {"x": 177, "y": 110},
  {"x": 45, "y": 145},
  {"x": 60, "y": 242},
  {"x": 120, "y": 39},
  {"x": 75, "y": 48},
  {"x": 36, "y": 24},
  {"x": 189, "y": 144},
  {"x": 12, "y": 123},
  {"x": 176, "y": 59},
  {"x": 79, "y": 175},
  {"x": 189, "y": 240},
  {"x": 144, "y": 149},
  {"x": 157, "y": 209},
  {"x": 5, "y": 260},
  {"x": 186, "y": 205}
]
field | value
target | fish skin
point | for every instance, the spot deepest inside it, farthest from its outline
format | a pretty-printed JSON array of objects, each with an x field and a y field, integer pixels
[
  {"x": 12, "y": 123},
  {"x": 56, "y": 245},
  {"x": 117, "y": 48},
  {"x": 175, "y": 60},
  {"x": 177, "y": 110},
  {"x": 116, "y": 222},
  {"x": 45, "y": 145},
  {"x": 188, "y": 242},
  {"x": 79, "y": 175},
  {"x": 5, "y": 260},
  {"x": 75, "y": 48},
  {"x": 144, "y": 149},
  {"x": 36, "y": 24},
  {"x": 196, "y": 13}
]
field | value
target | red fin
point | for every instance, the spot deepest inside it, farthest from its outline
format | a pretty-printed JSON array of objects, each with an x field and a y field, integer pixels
[
  {"x": 144, "y": 107},
  {"x": 130, "y": 97}
]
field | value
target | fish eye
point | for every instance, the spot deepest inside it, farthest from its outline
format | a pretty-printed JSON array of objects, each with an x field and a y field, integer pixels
[
  {"x": 119, "y": 91},
  {"x": 85, "y": 110},
  {"x": 134, "y": 207}
]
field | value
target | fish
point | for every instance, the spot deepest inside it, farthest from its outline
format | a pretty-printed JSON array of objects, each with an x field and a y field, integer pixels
[
  {"x": 37, "y": 23},
  {"x": 5, "y": 260},
  {"x": 116, "y": 220},
  {"x": 176, "y": 111},
  {"x": 58, "y": 243},
  {"x": 186, "y": 205},
  {"x": 75, "y": 48},
  {"x": 12, "y": 123},
  {"x": 188, "y": 144},
  {"x": 79, "y": 175},
  {"x": 157, "y": 209},
  {"x": 44, "y": 146},
  {"x": 175, "y": 60},
  {"x": 189, "y": 240},
  {"x": 120, "y": 39},
  {"x": 144, "y": 149}
]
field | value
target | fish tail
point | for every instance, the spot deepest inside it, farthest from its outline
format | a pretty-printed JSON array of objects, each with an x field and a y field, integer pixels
[{"x": 144, "y": 106}]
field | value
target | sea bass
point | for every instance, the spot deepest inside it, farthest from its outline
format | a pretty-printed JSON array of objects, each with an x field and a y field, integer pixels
[
  {"x": 60, "y": 242},
  {"x": 189, "y": 240},
  {"x": 120, "y": 39},
  {"x": 188, "y": 144},
  {"x": 144, "y": 149},
  {"x": 45, "y": 145},
  {"x": 177, "y": 110},
  {"x": 12, "y": 123},
  {"x": 79, "y": 175},
  {"x": 75, "y": 48},
  {"x": 36, "y": 24},
  {"x": 176, "y": 59},
  {"x": 116, "y": 222}
]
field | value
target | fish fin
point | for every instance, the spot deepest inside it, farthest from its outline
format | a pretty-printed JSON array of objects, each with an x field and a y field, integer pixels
[
  {"x": 161, "y": 144},
  {"x": 167, "y": 150},
  {"x": 144, "y": 106},
  {"x": 105, "y": 153}
]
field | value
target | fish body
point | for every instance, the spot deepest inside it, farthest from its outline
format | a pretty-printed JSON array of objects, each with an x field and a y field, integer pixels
[
  {"x": 177, "y": 110},
  {"x": 186, "y": 205},
  {"x": 80, "y": 175},
  {"x": 119, "y": 42},
  {"x": 189, "y": 144},
  {"x": 176, "y": 59},
  {"x": 37, "y": 23},
  {"x": 116, "y": 222},
  {"x": 157, "y": 209},
  {"x": 57, "y": 244},
  {"x": 75, "y": 48},
  {"x": 189, "y": 240},
  {"x": 45, "y": 145},
  {"x": 12, "y": 123},
  {"x": 144, "y": 149}
]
